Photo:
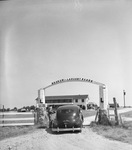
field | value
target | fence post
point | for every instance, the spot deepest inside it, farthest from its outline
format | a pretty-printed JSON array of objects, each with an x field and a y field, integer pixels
[
  {"x": 116, "y": 115},
  {"x": 35, "y": 117},
  {"x": 3, "y": 117}
]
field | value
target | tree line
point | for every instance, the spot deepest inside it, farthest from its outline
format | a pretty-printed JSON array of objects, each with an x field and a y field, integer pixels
[{"x": 23, "y": 109}]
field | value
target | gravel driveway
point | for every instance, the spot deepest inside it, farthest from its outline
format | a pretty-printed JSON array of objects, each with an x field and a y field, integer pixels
[{"x": 44, "y": 140}]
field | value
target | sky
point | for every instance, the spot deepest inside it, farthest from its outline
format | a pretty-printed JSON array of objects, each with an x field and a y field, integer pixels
[{"x": 45, "y": 41}]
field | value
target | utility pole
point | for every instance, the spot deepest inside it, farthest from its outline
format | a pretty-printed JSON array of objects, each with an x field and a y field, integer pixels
[
  {"x": 3, "y": 108},
  {"x": 124, "y": 94}
]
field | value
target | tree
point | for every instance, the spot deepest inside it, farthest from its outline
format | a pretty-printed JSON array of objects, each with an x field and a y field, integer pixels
[
  {"x": 8, "y": 109},
  {"x": 28, "y": 108},
  {"x": 32, "y": 107},
  {"x": 15, "y": 108}
]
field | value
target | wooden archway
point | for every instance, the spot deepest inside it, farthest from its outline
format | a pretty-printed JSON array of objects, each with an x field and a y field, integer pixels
[{"x": 103, "y": 102}]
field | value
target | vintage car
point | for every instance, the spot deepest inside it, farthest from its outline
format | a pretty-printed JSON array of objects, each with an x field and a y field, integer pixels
[{"x": 68, "y": 118}]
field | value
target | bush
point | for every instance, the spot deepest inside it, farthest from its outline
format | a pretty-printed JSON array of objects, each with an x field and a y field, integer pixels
[
  {"x": 43, "y": 119},
  {"x": 103, "y": 118}
]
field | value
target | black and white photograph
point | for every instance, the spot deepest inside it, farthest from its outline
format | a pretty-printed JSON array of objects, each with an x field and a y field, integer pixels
[{"x": 65, "y": 75}]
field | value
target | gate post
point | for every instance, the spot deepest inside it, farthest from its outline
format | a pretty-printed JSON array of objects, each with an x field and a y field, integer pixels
[
  {"x": 103, "y": 97},
  {"x": 41, "y": 95},
  {"x": 115, "y": 110}
]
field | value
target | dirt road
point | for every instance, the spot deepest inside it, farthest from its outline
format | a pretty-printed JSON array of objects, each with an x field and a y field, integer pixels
[{"x": 44, "y": 140}]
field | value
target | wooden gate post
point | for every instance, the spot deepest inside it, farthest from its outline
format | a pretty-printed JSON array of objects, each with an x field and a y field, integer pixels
[{"x": 116, "y": 115}]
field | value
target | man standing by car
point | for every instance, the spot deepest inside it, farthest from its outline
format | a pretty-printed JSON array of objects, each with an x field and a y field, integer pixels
[{"x": 50, "y": 112}]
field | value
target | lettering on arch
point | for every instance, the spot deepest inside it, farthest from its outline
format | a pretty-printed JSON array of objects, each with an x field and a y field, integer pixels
[{"x": 72, "y": 79}]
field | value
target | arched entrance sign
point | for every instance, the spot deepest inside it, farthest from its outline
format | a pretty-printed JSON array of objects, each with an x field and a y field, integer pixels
[{"x": 103, "y": 102}]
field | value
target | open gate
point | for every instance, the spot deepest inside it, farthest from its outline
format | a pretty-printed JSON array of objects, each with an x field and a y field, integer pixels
[{"x": 103, "y": 96}]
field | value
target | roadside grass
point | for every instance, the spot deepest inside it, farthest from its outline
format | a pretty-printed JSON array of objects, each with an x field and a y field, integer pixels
[
  {"x": 121, "y": 133},
  {"x": 13, "y": 131}
]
